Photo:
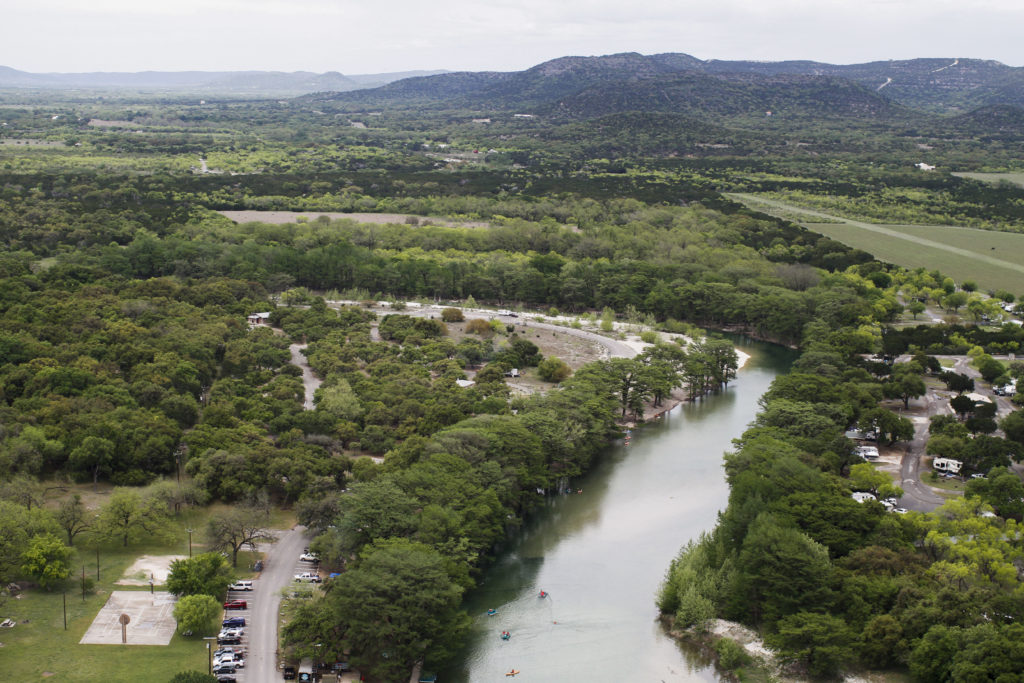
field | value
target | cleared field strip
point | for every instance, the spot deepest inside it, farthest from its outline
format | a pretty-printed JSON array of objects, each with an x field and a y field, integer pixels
[
  {"x": 992, "y": 259},
  {"x": 1015, "y": 178}
]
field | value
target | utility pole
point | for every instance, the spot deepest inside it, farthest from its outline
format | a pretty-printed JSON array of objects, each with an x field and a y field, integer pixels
[
  {"x": 190, "y": 530},
  {"x": 64, "y": 598}
]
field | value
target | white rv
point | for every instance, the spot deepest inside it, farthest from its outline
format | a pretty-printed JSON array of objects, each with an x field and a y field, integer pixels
[{"x": 947, "y": 465}]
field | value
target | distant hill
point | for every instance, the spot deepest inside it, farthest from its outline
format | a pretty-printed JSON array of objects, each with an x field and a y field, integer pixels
[
  {"x": 946, "y": 85},
  {"x": 731, "y": 95},
  {"x": 589, "y": 87},
  {"x": 247, "y": 83}
]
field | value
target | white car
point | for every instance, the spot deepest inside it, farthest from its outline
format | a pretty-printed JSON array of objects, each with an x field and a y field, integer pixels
[
  {"x": 309, "y": 557},
  {"x": 311, "y": 577},
  {"x": 240, "y": 586}
]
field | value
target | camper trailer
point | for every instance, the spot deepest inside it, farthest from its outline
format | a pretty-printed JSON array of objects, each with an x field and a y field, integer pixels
[{"x": 947, "y": 465}]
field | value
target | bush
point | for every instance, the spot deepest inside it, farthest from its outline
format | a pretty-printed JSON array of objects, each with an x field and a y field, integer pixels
[
  {"x": 650, "y": 337},
  {"x": 553, "y": 369},
  {"x": 452, "y": 315},
  {"x": 731, "y": 655},
  {"x": 479, "y": 326},
  {"x": 197, "y": 614}
]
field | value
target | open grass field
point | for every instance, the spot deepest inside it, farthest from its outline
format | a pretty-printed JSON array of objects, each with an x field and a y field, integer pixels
[
  {"x": 39, "y": 647},
  {"x": 1015, "y": 178},
  {"x": 995, "y": 260}
]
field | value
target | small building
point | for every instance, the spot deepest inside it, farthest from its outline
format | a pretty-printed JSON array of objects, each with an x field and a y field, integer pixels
[
  {"x": 924, "y": 167},
  {"x": 863, "y": 496},
  {"x": 947, "y": 465},
  {"x": 259, "y": 318},
  {"x": 465, "y": 383}
]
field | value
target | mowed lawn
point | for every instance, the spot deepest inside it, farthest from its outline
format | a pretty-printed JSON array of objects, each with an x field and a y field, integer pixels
[
  {"x": 994, "y": 260},
  {"x": 1015, "y": 178},
  {"x": 39, "y": 647}
]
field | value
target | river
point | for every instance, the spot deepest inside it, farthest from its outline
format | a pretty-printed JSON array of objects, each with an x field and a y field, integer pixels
[{"x": 601, "y": 554}]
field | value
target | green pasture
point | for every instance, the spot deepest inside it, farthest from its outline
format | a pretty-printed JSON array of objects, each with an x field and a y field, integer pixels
[
  {"x": 1015, "y": 178},
  {"x": 995, "y": 260}
]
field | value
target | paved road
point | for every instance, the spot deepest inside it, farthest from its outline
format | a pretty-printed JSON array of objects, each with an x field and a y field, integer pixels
[{"x": 265, "y": 599}]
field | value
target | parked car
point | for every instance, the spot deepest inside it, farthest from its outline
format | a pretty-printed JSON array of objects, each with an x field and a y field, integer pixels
[
  {"x": 233, "y": 621},
  {"x": 240, "y": 586},
  {"x": 224, "y": 669},
  {"x": 229, "y": 639},
  {"x": 257, "y": 566},
  {"x": 231, "y": 632},
  {"x": 237, "y": 662},
  {"x": 978, "y": 476},
  {"x": 236, "y": 604},
  {"x": 309, "y": 557},
  {"x": 311, "y": 577},
  {"x": 289, "y": 673},
  {"x": 226, "y": 678}
]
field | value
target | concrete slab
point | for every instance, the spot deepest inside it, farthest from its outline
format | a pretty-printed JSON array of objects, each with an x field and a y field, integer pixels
[{"x": 152, "y": 619}]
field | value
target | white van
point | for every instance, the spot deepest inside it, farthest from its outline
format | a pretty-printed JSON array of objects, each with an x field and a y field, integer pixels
[{"x": 240, "y": 586}]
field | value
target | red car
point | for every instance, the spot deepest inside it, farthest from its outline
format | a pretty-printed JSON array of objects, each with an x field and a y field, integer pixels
[{"x": 236, "y": 604}]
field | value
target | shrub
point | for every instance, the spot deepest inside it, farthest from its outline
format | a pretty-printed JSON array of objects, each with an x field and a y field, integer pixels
[
  {"x": 553, "y": 369},
  {"x": 452, "y": 315},
  {"x": 479, "y": 326},
  {"x": 731, "y": 655}
]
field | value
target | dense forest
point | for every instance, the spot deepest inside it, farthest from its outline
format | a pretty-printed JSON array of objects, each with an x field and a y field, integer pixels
[{"x": 125, "y": 356}]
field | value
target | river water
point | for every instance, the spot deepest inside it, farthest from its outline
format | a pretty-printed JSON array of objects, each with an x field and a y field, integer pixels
[{"x": 601, "y": 554}]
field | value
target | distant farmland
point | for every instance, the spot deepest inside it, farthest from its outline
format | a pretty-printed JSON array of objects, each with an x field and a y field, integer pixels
[
  {"x": 992, "y": 259},
  {"x": 1015, "y": 178}
]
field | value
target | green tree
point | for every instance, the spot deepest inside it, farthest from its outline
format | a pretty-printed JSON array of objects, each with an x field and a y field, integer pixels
[
  {"x": 238, "y": 527},
  {"x": 822, "y": 642},
  {"x": 906, "y": 383},
  {"x": 72, "y": 517},
  {"x": 916, "y": 308},
  {"x": 197, "y": 614},
  {"x": 781, "y": 572},
  {"x": 205, "y": 574},
  {"x": 396, "y": 607},
  {"x": 1013, "y": 426},
  {"x": 127, "y": 516},
  {"x": 553, "y": 369},
  {"x": 47, "y": 560},
  {"x": 339, "y": 400},
  {"x": 94, "y": 456}
]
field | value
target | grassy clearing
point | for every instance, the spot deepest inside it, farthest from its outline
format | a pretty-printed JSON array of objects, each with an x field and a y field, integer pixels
[
  {"x": 39, "y": 647},
  {"x": 952, "y": 485},
  {"x": 1015, "y": 178},
  {"x": 992, "y": 259}
]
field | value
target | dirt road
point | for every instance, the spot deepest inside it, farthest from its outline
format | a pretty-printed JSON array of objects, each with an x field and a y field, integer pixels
[{"x": 309, "y": 381}]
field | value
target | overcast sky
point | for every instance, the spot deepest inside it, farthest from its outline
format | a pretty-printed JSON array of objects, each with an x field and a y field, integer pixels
[{"x": 371, "y": 36}]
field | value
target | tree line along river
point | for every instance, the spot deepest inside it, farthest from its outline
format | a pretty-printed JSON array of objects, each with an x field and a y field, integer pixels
[{"x": 600, "y": 553}]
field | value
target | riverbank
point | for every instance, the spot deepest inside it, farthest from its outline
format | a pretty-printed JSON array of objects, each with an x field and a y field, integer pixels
[{"x": 678, "y": 395}]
